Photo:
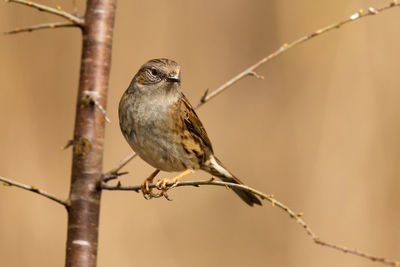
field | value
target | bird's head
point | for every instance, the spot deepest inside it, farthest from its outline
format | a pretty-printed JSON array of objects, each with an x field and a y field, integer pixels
[{"x": 160, "y": 71}]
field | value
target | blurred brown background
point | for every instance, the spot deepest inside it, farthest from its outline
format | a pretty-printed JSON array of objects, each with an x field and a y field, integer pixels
[{"x": 320, "y": 132}]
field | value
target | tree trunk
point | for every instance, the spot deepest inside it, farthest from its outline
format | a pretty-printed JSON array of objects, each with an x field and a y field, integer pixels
[{"x": 83, "y": 214}]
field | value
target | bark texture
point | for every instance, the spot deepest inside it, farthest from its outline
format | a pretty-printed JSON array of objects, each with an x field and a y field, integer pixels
[{"x": 83, "y": 215}]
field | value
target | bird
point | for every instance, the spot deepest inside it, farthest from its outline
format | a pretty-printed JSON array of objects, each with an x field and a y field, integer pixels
[{"x": 161, "y": 126}]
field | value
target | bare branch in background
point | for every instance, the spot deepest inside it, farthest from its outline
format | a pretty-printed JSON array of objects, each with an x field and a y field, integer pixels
[
  {"x": 275, "y": 203},
  {"x": 251, "y": 70},
  {"x": 9, "y": 182},
  {"x": 42, "y": 26},
  {"x": 55, "y": 11}
]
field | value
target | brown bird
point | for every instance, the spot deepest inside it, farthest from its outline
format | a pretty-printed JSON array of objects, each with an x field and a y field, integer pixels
[{"x": 162, "y": 127}]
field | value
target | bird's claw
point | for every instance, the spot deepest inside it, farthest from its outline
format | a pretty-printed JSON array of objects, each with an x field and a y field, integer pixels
[
  {"x": 147, "y": 191},
  {"x": 164, "y": 194},
  {"x": 166, "y": 183},
  {"x": 163, "y": 186}
]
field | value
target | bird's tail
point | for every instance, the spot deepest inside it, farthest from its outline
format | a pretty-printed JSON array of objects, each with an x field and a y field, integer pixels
[{"x": 217, "y": 169}]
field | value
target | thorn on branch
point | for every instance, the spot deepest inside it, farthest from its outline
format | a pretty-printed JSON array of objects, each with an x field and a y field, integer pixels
[
  {"x": 204, "y": 96},
  {"x": 90, "y": 98},
  {"x": 121, "y": 173},
  {"x": 253, "y": 73},
  {"x": 69, "y": 143},
  {"x": 111, "y": 176}
]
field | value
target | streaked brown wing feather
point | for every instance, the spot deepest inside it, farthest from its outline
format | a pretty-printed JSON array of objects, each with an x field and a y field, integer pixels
[{"x": 193, "y": 124}]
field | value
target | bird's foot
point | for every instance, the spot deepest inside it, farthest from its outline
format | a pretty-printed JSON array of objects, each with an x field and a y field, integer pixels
[
  {"x": 146, "y": 190},
  {"x": 165, "y": 184}
]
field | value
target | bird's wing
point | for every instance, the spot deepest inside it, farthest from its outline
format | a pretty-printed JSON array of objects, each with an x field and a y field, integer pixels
[{"x": 193, "y": 124}]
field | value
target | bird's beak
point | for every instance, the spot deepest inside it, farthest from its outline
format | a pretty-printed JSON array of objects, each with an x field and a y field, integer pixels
[{"x": 174, "y": 77}]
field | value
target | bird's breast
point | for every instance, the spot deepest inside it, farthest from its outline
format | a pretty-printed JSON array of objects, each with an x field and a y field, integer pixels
[{"x": 149, "y": 127}]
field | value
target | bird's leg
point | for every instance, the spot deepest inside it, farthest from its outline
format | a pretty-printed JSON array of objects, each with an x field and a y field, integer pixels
[
  {"x": 147, "y": 192},
  {"x": 162, "y": 183}
]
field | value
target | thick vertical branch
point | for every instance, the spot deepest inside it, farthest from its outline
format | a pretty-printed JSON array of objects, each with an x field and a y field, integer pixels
[{"x": 83, "y": 217}]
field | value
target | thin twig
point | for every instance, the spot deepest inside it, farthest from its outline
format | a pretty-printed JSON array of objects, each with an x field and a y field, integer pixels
[
  {"x": 42, "y": 26},
  {"x": 111, "y": 176},
  {"x": 275, "y": 203},
  {"x": 67, "y": 145},
  {"x": 251, "y": 70},
  {"x": 92, "y": 97},
  {"x": 55, "y": 11},
  {"x": 357, "y": 253},
  {"x": 8, "y": 182},
  {"x": 122, "y": 163}
]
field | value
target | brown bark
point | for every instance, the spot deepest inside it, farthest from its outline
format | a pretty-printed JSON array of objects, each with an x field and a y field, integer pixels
[{"x": 83, "y": 215}]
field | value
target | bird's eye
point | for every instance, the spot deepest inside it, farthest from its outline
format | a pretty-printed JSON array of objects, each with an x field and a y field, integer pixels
[{"x": 154, "y": 72}]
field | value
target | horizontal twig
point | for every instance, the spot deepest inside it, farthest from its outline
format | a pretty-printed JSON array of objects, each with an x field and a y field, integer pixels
[
  {"x": 9, "y": 182},
  {"x": 251, "y": 70},
  {"x": 268, "y": 197},
  {"x": 55, "y": 11},
  {"x": 357, "y": 253},
  {"x": 213, "y": 182},
  {"x": 42, "y": 26}
]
